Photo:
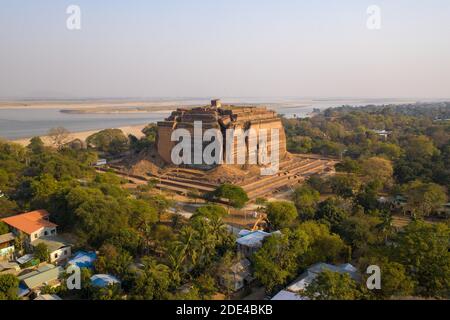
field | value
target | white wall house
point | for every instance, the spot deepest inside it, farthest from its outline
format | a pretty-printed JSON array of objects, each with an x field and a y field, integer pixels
[{"x": 36, "y": 228}]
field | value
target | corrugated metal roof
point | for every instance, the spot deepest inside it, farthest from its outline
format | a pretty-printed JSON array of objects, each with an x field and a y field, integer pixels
[
  {"x": 253, "y": 238},
  {"x": 7, "y": 237},
  {"x": 53, "y": 243},
  {"x": 287, "y": 295},
  {"x": 48, "y": 297},
  {"x": 42, "y": 278}
]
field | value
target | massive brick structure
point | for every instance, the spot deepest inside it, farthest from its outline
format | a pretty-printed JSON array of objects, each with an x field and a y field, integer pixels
[{"x": 223, "y": 117}]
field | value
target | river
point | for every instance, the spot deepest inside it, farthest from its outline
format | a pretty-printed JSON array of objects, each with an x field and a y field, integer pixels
[{"x": 25, "y": 123}]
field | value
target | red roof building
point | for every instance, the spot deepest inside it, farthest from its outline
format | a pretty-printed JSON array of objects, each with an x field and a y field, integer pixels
[{"x": 30, "y": 222}]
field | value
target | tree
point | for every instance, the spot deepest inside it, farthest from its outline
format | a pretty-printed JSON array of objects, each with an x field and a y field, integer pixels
[
  {"x": 386, "y": 227},
  {"x": 423, "y": 249},
  {"x": 150, "y": 131},
  {"x": 41, "y": 252},
  {"x": 8, "y": 207},
  {"x": 112, "y": 141},
  {"x": 281, "y": 214},
  {"x": 419, "y": 147},
  {"x": 36, "y": 145},
  {"x": 59, "y": 136},
  {"x": 206, "y": 286},
  {"x": 141, "y": 214},
  {"x": 330, "y": 285},
  {"x": 113, "y": 260},
  {"x": 152, "y": 282},
  {"x": 306, "y": 199},
  {"x": 9, "y": 287},
  {"x": 3, "y": 228},
  {"x": 360, "y": 231},
  {"x": 330, "y": 213},
  {"x": 368, "y": 196},
  {"x": 210, "y": 211},
  {"x": 42, "y": 189},
  {"x": 278, "y": 259},
  {"x": 377, "y": 168},
  {"x": 424, "y": 198},
  {"x": 236, "y": 196},
  {"x": 395, "y": 281},
  {"x": 223, "y": 268},
  {"x": 159, "y": 202},
  {"x": 344, "y": 185},
  {"x": 111, "y": 292},
  {"x": 324, "y": 246}
]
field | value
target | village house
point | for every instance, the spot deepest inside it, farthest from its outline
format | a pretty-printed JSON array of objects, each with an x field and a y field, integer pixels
[
  {"x": 250, "y": 241},
  {"x": 32, "y": 225},
  {"x": 238, "y": 276},
  {"x": 46, "y": 275},
  {"x": 382, "y": 133},
  {"x": 9, "y": 268},
  {"x": 7, "y": 246},
  {"x": 35, "y": 228},
  {"x": 58, "y": 247},
  {"x": 294, "y": 291}
]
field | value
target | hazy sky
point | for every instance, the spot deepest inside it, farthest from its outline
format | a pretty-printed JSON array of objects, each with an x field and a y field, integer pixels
[{"x": 225, "y": 48}]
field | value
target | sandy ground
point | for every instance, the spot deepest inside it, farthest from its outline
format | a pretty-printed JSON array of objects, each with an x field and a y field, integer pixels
[{"x": 134, "y": 130}]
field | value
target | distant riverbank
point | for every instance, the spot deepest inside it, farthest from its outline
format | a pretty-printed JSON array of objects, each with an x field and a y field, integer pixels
[
  {"x": 24, "y": 119},
  {"x": 134, "y": 130}
]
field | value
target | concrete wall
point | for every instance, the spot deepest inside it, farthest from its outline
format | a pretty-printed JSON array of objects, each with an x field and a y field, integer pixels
[{"x": 61, "y": 254}]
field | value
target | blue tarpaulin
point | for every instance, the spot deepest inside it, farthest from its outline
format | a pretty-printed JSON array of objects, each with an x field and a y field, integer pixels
[
  {"x": 83, "y": 259},
  {"x": 23, "y": 290},
  {"x": 103, "y": 280}
]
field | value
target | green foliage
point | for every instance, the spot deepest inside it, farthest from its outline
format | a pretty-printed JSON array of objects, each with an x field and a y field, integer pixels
[
  {"x": 277, "y": 261},
  {"x": 423, "y": 249},
  {"x": 395, "y": 281},
  {"x": 236, "y": 196},
  {"x": 368, "y": 197},
  {"x": 108, "y": 178},
  {"x": 424, "y": 198},
  {"x": 211, "y": 211},
  {"x": 198, "y": 245},
  {"x": 112, "y": 260},
  {"x": 330, "y": 285},
  {"x": 419, "y": 147},
  {"x": 99, "y": 218},
  {"x": 112, "y": 141},
  {"x": 36, "y": 145},
  {"x": 378, "y": 169},
  {"x": 305, "y": 199},
  {"x": 9, "y": 287},
  {"x": 3, "y": 228},
  {"x": 330, "y": 213},
  {"x": 344, "y": 185},
  {"x": 206, "y": 286},
  {"x": 111, "y": 292},
  {"x": 8, "y": 207},
  {"x": 281, "y": 214},
  {"x": 150, "y": 131},
  {"x": 151, "y": 282},
  {"x": 324, "y": 246},
  {"x": 360, "y": 231},
  {"x": 41, "y": 252}
]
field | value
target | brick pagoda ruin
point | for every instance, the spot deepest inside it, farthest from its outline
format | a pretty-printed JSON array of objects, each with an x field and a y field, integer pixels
[{"x": 223, "y": 117}]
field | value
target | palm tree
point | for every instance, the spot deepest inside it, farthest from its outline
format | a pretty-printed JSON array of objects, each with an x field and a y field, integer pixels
[{"x": 386, "y": 225}]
